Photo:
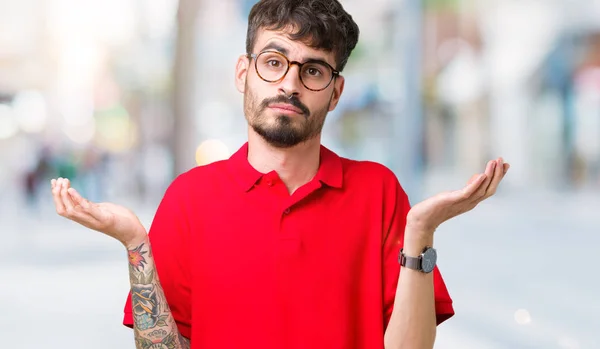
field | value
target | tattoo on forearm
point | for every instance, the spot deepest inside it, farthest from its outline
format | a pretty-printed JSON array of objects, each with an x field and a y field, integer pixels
[{"x": 154, "y": 325}]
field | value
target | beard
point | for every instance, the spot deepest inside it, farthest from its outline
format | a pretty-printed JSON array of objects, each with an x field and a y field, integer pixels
[{"x": 284, "y": 131}]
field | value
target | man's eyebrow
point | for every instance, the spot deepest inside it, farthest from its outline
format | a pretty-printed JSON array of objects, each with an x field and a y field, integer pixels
[{"x": 275, "y": 46}]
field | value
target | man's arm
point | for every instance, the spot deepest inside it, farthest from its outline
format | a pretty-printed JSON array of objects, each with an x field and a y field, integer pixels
[
  {"x": 413, "y": 322},
  {"x": 153, "y": 322}
]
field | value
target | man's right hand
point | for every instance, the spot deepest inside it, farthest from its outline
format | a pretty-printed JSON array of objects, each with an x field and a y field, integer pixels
[{"x": 110, "y": 219}]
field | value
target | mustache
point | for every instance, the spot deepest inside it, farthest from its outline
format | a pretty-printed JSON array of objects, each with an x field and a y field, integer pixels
[{"x": 285, "y": 100}]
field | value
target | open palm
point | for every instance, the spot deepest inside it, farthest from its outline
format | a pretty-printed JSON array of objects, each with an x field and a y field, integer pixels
[
  {"x": 430, "y": 213},
  {"x": 113, "y": 220}
]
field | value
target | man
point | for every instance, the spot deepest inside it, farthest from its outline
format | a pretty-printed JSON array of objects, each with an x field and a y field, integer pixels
[{"x": 285, "y": 244}]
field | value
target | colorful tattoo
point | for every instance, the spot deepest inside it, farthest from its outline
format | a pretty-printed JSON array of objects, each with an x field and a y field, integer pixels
[
  {"x": 157, "y": 334},
  {"x": 168, "y": 342},
  {"x": 154, "y": 325},
  {"x": 146, "y": 307},
  {"x": 136, "y": 258}
]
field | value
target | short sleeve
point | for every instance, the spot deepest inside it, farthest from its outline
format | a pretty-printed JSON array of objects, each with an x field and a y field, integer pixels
[
  {"x": 170, "y": 240},
  {"x": 395, "y": 213}
]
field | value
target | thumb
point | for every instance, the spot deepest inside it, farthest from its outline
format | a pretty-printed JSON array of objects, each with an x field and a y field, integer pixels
[
  {"x": 87, "y": 206},
  {"x": 78, "y": 199}
]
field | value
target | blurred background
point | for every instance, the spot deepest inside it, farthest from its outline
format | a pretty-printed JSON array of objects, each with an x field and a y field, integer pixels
[{"x": 121, "y": 96}]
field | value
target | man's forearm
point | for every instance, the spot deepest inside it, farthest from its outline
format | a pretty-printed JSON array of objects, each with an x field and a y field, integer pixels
[
  {"x": 412, "y": 324},
  {"x": 153, "y": 323}
]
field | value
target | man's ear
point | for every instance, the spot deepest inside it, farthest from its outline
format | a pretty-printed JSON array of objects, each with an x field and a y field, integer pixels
[
  {"x": 241, "y": 72},
  {"x": 338, "y": 88}
]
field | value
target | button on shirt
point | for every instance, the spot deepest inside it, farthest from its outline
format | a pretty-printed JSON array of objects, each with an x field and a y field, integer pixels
[{"x": 244, "y": 264}]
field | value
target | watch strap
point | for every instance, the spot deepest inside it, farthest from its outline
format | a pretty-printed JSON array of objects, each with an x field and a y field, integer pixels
[{"x": 410, "y": 262}]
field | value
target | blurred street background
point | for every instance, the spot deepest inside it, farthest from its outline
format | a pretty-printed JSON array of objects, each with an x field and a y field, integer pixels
[{"x": 121, "y": 96}]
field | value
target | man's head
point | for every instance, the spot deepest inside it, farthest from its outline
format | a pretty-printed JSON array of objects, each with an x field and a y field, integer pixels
[{"x": 290, "y": 75}]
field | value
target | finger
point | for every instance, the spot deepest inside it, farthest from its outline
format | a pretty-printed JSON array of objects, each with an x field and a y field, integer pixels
[
  {"x": 66, "y": 198},
  {"x": 78, "y": 200},
  {"x": 58, "y": 203},
  {"x": 468, "y": 191},
  {"x": 489, "y": 173},
  {"x": 84, "y": 210},
  {"x": 498, "y": 175},
  {"x": 89, "y": 209},
  {"x": 506, "y": 167}
]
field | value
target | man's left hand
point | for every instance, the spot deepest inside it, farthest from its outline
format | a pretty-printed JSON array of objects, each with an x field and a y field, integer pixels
[{"x": 426, "y": 216}]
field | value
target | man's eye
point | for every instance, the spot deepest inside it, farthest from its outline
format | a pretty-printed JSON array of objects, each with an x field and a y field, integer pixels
[{"x": 314, "y": 72}]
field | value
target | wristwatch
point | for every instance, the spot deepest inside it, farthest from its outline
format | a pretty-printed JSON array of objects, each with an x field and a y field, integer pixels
[{"x": 424, "y": 263}]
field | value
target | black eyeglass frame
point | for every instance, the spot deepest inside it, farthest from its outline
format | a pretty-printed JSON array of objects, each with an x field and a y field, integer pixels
[{"x": 334, "y": 73}]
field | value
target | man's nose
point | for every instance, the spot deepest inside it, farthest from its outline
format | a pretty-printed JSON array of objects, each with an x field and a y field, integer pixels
[{"x": 291, "y": 84}]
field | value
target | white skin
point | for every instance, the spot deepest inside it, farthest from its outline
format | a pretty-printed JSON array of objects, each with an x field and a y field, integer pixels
[{"x": 296, "y": 164}]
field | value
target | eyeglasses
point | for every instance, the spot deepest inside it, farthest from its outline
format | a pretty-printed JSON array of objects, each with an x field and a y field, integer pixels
[{"x": 273, "y": 66}]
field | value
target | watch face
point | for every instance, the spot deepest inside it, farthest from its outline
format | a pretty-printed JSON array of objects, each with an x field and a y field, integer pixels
[{"x": 429, "y": 259}]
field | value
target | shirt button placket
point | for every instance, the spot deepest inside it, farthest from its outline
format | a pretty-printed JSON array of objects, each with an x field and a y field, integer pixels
[{"x": 289, "y": 241}]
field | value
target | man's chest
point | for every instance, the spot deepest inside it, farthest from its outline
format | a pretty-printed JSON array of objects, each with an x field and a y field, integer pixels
[{"x": 258, "y": 238}]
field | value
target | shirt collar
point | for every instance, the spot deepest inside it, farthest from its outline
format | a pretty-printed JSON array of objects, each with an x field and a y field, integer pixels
[{"x": 330, "y": 170}]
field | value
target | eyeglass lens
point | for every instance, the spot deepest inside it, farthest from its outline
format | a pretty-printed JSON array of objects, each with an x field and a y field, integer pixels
[{"x": 272, "y": 66}]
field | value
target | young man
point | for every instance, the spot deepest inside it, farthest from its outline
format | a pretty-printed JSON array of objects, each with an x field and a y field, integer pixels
[{"x": 286, "y": 245}]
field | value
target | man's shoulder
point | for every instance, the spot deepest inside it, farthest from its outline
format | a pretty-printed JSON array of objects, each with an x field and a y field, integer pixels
[
  {"x": 211, "y": 169},
  {"x": 203, "y": 174},
  {"x": 367, "y": 169},
  {"x": 372, "y": 177}
]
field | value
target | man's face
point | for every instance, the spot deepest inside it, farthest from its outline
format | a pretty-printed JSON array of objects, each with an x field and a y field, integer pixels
[{"x": 285, "y": 113}]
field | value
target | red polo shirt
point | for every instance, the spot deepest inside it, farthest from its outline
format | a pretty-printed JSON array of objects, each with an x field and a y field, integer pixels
[{"x": 246, "y": 265}]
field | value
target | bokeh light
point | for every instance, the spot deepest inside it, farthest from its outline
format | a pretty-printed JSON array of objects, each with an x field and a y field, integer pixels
[
  {"x": 30, "y": 111},
  {"x": 115, "y": 130},
  {"x": 8, "y": 125},
  {"x": 210, "y": 151},
  {"x": 522, "y": 317},
  {"x": 81, "y": 133}
]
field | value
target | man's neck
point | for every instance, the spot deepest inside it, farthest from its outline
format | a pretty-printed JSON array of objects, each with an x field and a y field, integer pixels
[{"x": 295, "y": 166}]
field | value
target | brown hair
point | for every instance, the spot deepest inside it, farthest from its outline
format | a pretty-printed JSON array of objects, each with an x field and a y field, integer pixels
[{"x": 320, "y": 24}]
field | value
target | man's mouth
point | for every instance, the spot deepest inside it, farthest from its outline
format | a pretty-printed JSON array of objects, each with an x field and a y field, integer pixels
[{"x": 285, "y": 108}]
